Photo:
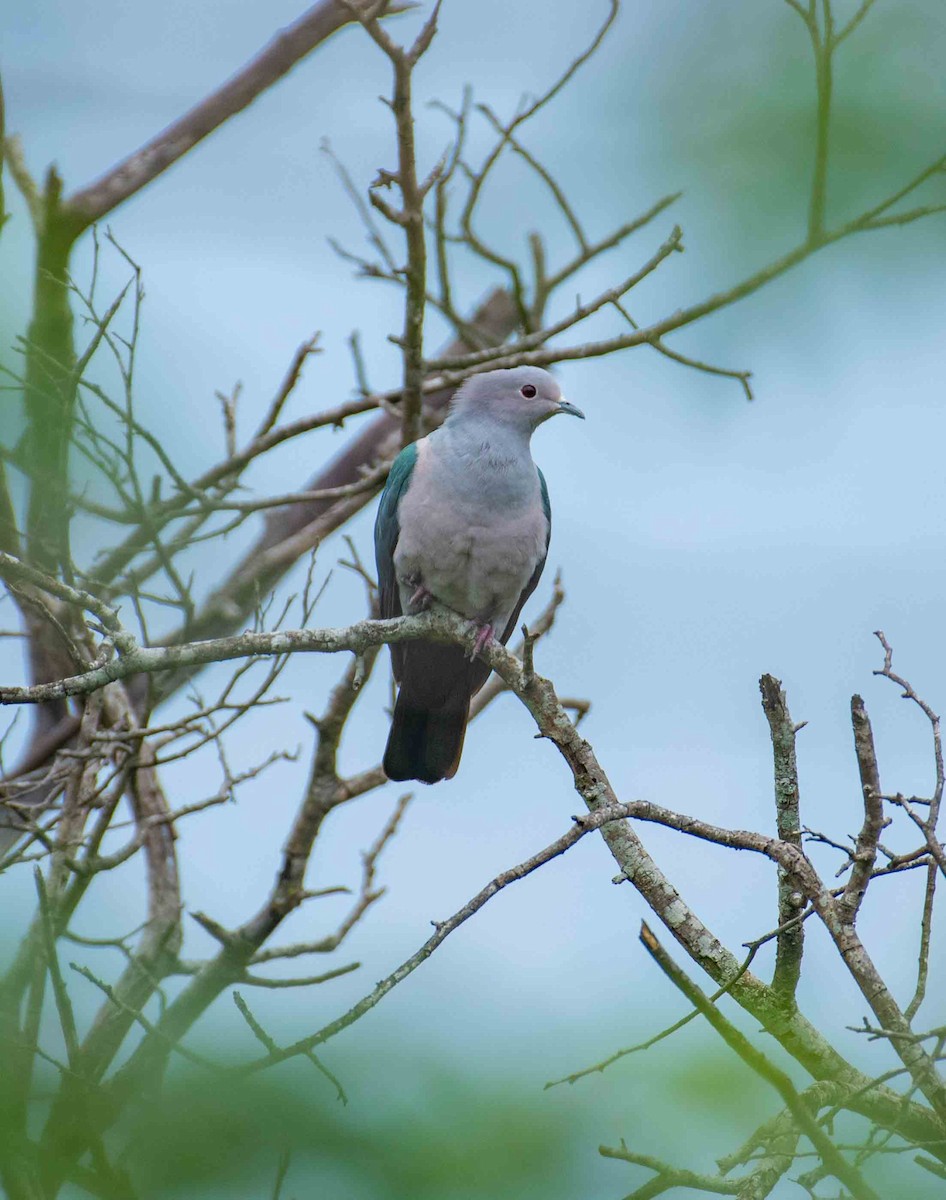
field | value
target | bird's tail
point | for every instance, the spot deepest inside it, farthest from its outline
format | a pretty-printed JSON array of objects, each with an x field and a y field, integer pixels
[{"x": 430, "y": 716}]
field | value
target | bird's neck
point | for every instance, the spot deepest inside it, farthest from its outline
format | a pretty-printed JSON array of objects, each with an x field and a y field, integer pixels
[
  {"x": 479, "y": 460},
  {"x": 493, "y": 445}
]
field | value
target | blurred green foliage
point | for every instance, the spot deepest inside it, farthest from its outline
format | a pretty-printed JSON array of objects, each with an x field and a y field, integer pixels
[
  {"x": 422, "y": 1127},
  {"x": 737, "y": 113},
  {"x": 427, "y": 1134}
]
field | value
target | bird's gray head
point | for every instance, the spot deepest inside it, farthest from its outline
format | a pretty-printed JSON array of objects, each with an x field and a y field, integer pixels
[{"x": 522, "y": 397}]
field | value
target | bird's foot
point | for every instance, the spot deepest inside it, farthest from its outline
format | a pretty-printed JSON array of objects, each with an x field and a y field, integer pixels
[
  {"x": 420, "y": 601},
  {"x": 484, "y": 635}
]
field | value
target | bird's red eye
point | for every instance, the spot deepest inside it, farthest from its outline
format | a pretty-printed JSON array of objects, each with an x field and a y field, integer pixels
[{"x": 527, "y": 390}]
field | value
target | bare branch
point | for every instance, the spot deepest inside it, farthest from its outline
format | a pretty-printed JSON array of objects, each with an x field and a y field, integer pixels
[
  {"x": 263, "y": 1037},
  {"x": 909, "y": 694},
  {"x": 865, "y": 853},
  {"x": 599, "y": 1067},
  {"x": 833, "y": 1160},
  {"x": 923, "y": 955},
  {"x": 667, "y": 1177},
  {"x": 482, "y": 357},
  {"x": 410, "y": 216},
  {"x": 442, "y": 930},
  {"x": 13, "y": 159},
  {"x": 67, "y": 1021},
  {"x": 791, "y": 939},
  {"x": 608, "y": 243},
  {"x": 862, "y": 11},
  {"x": 13, "y": 569},
  {"x": 291, "y": 44}
]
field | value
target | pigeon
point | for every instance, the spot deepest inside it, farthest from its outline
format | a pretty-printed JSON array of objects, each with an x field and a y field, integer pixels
[{"x": 464, "y": 520}]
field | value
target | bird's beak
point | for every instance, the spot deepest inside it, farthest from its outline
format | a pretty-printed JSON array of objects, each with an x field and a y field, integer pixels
[{"x": 565, "y": 407}]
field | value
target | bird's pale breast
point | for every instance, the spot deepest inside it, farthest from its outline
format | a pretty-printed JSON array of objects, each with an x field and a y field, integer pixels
[{"x": 475, "y": 548}]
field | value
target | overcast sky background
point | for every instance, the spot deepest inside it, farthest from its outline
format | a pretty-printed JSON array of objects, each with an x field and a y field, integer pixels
[{"x": 703, "y": 540}]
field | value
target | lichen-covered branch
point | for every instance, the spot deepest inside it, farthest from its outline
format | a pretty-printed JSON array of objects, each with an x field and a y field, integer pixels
[
  {"x": 833, "y": 1160},
  {"x": 865, "y": 851},
  {"x": 790, "y": 942}
]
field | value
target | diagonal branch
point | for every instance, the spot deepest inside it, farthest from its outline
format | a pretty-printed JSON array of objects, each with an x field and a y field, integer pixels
[
  {"x": 442, "y": 930},
  {"x": 288, "y": 47},
  {"x": 757, "y": 1062}
]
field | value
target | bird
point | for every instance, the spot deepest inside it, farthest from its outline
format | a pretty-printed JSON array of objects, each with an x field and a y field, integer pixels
[{"x": 464, "y": 520}]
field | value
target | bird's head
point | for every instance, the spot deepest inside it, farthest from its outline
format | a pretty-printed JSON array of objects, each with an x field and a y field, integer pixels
[{"x": 522, "y": 397}]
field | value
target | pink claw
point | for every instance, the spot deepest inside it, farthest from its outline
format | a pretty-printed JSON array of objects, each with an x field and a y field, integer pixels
[
  {"x": 483, "y": 638},
  {"x": 421, "y": 598}
]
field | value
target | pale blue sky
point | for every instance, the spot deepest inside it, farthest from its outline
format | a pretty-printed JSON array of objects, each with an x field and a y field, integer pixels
[{"x": 703, "y": 540}]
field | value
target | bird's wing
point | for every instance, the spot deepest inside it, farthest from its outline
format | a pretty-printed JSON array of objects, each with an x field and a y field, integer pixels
[{"x": 387, "y": 530}]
